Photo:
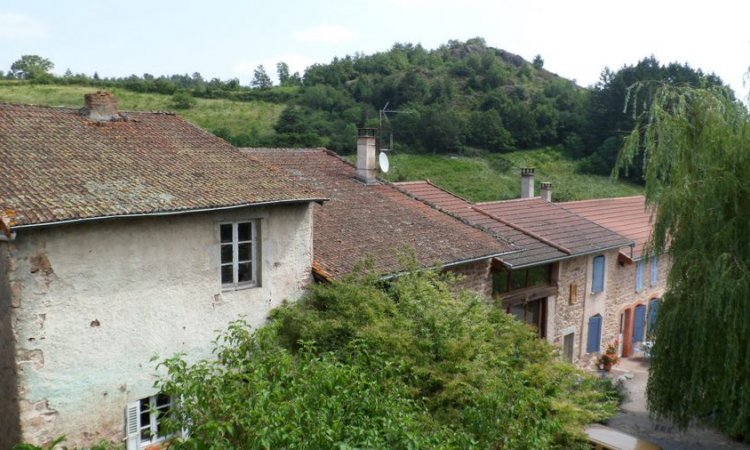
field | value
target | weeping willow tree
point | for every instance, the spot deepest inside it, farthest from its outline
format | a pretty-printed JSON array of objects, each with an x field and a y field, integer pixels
[{"x": 696, "y": 155}]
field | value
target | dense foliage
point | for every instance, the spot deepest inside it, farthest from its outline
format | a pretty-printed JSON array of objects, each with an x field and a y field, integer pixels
[
  {"x": 608, "y": 118},
  {"x": 696, "y": 164},
  {"x": 463, "y": 97},
  {"x": 410, "y": 364}
]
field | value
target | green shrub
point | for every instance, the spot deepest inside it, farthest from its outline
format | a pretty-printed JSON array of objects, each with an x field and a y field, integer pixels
[{"x": 368, "y": 364}]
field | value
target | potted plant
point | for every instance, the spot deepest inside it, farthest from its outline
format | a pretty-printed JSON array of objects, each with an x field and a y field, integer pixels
[{"x": 609, "y": 358}]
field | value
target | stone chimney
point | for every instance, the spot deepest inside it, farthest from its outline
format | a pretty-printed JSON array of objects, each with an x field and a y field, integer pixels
[
  {"x": 527, "y": 182},
  {"x": 366, "y": 147},
  {"x": 547, "y": 191},
  {"x": 101, "y": 107}
]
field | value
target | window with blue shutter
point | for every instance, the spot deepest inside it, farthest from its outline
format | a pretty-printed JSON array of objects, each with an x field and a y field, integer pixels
[
  {"x": 639, "y": 323},
  {"x": 595, "y": 334},
  {"x": 655, "y": 271},
  {"x": 653, "y": 312},
  {"x": 597, "y": 276},
  {"x": 640, "y": 268}
]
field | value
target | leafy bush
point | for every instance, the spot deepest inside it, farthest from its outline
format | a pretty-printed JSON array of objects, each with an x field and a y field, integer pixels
[{"x": 410, "y": 364}]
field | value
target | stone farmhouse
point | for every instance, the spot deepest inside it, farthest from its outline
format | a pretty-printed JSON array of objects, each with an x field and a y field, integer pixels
[
  {"x": 639, "y": 279},
  {"x": 127, "y": 235},
  {"x": 367, "y": 217}
]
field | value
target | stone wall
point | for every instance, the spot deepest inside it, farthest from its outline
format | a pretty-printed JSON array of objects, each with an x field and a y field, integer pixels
[
  {"x": 475, "y": 277},
  {"x": 99, "y": 300},
  {"x": 568, "y": 309},
  {"x": 625, "y": 295}
]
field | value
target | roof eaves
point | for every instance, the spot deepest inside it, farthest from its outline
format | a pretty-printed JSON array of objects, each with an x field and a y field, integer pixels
[{"x": 167, "y": 212}]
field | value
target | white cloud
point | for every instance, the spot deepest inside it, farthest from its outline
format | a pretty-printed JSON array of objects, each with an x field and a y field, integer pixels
[
  {"x": 296, "y": 62},
  {"x": 15, "y": 26},
  {"x": 326, "y": 34}
]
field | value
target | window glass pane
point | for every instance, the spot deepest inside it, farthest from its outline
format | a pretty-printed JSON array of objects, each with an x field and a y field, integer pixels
[
  {"x": 539, "y": 276},
  {"x": 500, "y": 281},
  {"x": 243, "y": 231},
  {"x": 162, "y": 400},
  {"x": 517, "y": 279},
  {"x": 245, "y": 252},
  {"x": 533, "y": 313},
  {"x": 518, "y": 311},
  {"x": 226, "y": 275},
  {"x": 226, "y": 232},
  {"x": 245, "y": 272},
  {"x": 226, "y": 254}
]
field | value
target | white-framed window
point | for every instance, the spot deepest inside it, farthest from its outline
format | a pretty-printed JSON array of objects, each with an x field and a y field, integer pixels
[
  {"x": 239, "y": 254},
  {"x": 143, "y": 421},
  {"x": 597, "y": 274}
]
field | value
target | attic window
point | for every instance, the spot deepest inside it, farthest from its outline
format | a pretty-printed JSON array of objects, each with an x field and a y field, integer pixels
[{"x": 239, "y": 254}]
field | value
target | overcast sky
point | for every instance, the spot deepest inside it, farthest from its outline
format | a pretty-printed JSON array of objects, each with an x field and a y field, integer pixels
[{"x": 228, "y": 39}]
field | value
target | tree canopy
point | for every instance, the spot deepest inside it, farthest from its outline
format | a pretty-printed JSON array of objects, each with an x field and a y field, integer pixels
[
  {"x": 408, "y": 364},
  {"x": 695, "y": 150},
  {"x": 31, "y": 67}
]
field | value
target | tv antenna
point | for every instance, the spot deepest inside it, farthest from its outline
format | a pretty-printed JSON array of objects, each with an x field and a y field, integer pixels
[{"x": 383, "y": 117}]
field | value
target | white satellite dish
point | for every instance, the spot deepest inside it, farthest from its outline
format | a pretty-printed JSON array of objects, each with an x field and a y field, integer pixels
[{"x": 383, "y": 162}]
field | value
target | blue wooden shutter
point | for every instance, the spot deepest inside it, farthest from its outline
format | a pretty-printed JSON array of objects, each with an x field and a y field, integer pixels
[
  {"x": 652, "y": 314},
  {"x": 639, "y": 324},
  {"x": 595, "y": 334},
  {"x": 639, "y": 269},
  {"x": 655, "y": 270},
  {"x": 598, "y": 274}
]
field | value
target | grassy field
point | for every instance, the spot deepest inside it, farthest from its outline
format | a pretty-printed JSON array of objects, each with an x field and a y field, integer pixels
[
  {"x": 481, "y": 178},
  {"x": 497, "y": 176},
  {"x": 252, "y": 118}
]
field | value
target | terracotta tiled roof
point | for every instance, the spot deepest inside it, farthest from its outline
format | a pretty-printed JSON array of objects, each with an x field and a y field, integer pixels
[
  {"x": 532, "y": 250},
  {"x": 625, "y": 215},
  {"x": 563, "y": 228},
  {"x": 543, "y": 231},
  {"x": 377, "y": 221},
  {"x": 58, "y": 165}
]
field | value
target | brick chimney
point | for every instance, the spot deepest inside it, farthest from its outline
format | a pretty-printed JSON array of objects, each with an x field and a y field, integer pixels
[
  {"x": 366, "y": 147},
  {"x": 527, "y": 182},
  {"x": 101, "y": 106},
  {"x": 547, "y": 191}
]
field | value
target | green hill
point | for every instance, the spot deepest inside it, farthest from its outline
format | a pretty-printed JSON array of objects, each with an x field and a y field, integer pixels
[
  {"x": 497, "y": 177},
  {"x": 255, "y": 118}
]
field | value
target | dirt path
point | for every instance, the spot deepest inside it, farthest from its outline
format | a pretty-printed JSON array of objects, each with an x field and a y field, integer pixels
[{"x": 634, "y": 418}]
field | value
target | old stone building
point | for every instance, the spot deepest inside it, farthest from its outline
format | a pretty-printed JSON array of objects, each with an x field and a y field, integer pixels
[
  {"x": 638, "y": 278},
  {"x": 369, "y": 218},
  {"x": 562, "y": 272},
  {"x": 127, "y": 235}
]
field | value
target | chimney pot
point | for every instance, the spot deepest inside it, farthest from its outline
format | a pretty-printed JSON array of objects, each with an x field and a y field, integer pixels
[
  {"x": 101, "y": 106},
  {"x": 547, "y": 191},
  {"x": 366, "y": 148},
  {"x": 527, "y": 182}
]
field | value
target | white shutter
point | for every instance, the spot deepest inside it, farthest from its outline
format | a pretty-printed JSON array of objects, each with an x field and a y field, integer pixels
[{"x": 132, "y": 428}]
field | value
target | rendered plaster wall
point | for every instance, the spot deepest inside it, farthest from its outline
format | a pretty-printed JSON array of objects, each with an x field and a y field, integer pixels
[
  {"x": 475, "y": 277},
  {"x": 9, "y": 421},
  {"x": 98, "y": 300}
]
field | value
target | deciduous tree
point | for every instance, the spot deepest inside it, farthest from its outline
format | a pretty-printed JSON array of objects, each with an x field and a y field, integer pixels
[
  {"x": 31, "y": 66},
  {"x": 695, "y": 147}
]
